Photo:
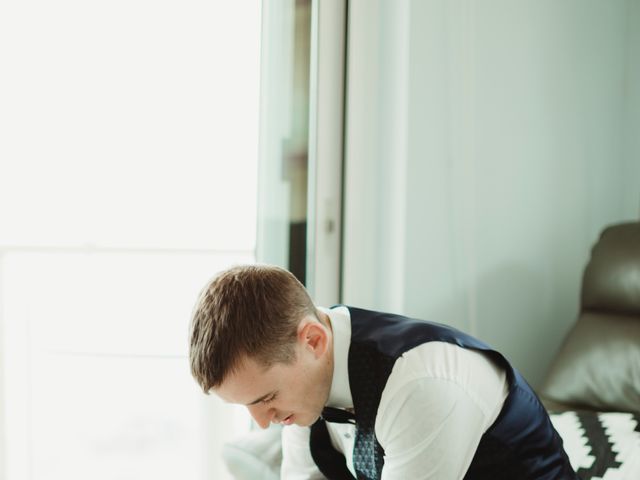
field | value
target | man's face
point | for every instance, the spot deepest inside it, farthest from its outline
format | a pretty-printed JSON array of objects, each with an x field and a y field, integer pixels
[{"x": 283, "y": 393}]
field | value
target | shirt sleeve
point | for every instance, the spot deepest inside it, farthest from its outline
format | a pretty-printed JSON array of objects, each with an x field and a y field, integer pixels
[
  {"x": 297, "y": 463},
  {"x": 430, "y": 429}
]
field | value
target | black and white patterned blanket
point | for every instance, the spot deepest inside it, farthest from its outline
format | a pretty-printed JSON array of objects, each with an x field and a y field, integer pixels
[{"x": 601, "y": 446}]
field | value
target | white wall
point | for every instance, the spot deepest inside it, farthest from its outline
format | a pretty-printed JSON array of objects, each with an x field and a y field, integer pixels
[
  {"x": 487, "y": 145},
  {"x": 632, "y": 105}
]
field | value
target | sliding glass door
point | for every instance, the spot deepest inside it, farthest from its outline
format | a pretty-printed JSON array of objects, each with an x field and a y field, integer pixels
[{"x": 300, "y": 164}]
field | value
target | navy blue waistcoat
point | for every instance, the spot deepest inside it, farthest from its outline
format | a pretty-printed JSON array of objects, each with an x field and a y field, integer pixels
[{"x": 520, "y": 445}]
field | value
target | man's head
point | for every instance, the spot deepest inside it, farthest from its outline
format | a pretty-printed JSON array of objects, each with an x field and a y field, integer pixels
[{"x": 257, "y": 339}]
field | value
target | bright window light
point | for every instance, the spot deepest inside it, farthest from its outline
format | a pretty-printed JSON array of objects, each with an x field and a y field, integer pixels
[{"x": 128, "y": 173}]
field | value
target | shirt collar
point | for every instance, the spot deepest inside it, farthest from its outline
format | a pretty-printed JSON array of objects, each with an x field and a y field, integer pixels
[{"x": 340, "y": 393}]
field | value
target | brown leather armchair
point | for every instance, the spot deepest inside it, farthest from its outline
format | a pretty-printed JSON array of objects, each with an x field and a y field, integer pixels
[{"x": 598, "y": 365}]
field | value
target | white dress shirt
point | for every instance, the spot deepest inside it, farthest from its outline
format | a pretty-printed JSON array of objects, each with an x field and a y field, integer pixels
[{"x": 438, "y": 401}]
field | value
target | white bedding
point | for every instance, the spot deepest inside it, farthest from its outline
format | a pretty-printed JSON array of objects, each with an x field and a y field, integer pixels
[{"x": 601, "y": 446}]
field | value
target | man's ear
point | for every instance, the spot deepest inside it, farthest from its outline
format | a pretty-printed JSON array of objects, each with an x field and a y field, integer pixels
[{"x": 313, "y": 336}]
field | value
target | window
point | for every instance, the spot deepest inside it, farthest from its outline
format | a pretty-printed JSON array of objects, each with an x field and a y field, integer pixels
[{"x": 128, "y": 164}]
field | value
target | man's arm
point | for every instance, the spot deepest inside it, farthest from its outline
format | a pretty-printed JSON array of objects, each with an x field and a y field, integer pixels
[
  {"x": 436, "y": 405},
  {"x": 430, "y": 429}
]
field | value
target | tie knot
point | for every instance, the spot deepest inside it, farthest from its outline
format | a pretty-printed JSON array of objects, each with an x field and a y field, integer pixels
[{"x": 337, "y": 415}]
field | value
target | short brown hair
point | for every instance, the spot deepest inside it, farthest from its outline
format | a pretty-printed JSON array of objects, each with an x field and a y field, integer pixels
[{"x": 249, "y": 310}]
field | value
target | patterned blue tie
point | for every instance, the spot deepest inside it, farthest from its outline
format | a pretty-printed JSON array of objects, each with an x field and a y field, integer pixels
[{"x": 368, "y": 372}]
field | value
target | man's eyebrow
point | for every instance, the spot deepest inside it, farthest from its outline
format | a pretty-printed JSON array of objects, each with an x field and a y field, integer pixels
[{"x": 258, "y": 400}]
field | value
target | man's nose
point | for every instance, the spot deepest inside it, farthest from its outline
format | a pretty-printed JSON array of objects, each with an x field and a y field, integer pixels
[{"x": 262, "y": 415}]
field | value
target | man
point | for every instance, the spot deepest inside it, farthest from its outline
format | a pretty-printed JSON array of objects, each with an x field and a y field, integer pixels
[{"x": 364, "y": 394}]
